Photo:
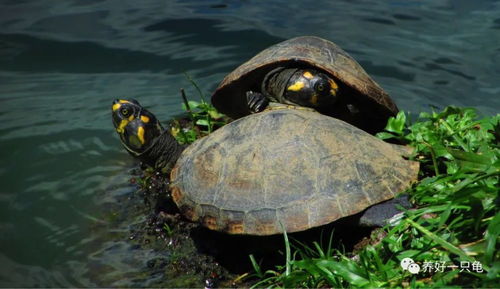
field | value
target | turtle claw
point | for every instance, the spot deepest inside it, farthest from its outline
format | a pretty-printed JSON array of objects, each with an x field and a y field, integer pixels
[{"x": 256, "y": 102}]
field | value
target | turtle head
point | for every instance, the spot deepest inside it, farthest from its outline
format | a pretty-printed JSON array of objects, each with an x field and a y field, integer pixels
[
  {"x": 143, "y": 136},
  {"x": 309, "y": 87},
  {"x": 137, "y": 127}
]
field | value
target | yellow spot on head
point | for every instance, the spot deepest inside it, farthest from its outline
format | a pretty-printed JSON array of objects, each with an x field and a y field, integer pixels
[
  {"x": 308, "y": 75},
  {"x": 140, "y": 134},
  {"x": 123, "y": 101},
  {"x": 296, "y": 86},
  {"x": 131, "y": 118},
  {"x": 144, "y": 119},
  {"x": 120, "y": 129},
  {"x": 116, "y": 106},
  {"x": 334, "y": 87}
]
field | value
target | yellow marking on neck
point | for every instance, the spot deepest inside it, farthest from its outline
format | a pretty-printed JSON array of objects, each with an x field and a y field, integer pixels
[
  {"x": 140, "y": 134},
  {"x": 297, "y": 86},
  {"x": 144, "y": 119},
  {"x": 314, "y": 99},
  {"x": 334, "y": 87},
  {"x": 308, "y": 75},
  {"x": 116, "y": 106},
  {"x": 121, "y": 128}
]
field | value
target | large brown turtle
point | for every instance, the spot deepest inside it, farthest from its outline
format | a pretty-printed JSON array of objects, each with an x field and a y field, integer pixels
[
  {"x": 306, "y": 71},
  {"x": 281, "y": 169}
]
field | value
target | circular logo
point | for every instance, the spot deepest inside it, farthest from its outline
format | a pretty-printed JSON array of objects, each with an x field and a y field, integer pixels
[
  {"x": 406, "y": 262},
  {"x": 414, "y": 268}
]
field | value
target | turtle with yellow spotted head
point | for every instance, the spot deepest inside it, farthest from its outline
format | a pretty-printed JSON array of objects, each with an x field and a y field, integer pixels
[
  {"x": 283, "y": 169},
  {"x": 140, "y": 132},
  {"x": 306, "y": 71}
]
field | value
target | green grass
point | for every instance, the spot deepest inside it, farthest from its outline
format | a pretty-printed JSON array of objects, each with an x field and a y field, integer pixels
[{"x": 456, "y": 220}]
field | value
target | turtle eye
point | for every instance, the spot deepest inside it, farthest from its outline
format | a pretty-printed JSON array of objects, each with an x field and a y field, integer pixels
[
  {"x": 125, "y": 112},
  {"x": 320, "y": 86}
]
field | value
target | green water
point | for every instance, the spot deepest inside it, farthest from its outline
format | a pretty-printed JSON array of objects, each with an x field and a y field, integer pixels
[{"x": 64, "y": 176}]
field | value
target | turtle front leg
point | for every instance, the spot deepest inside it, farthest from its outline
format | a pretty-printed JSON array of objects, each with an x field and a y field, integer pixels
[{"x": 256, "y": 101}]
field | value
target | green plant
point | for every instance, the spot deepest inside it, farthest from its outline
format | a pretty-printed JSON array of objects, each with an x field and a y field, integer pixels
[
  {"x": 202, "y": 118},
  {"x": 168, "y": 230}
]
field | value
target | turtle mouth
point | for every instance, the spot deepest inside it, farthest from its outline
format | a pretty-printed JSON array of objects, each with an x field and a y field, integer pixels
[{"x": 116, "y": 120}]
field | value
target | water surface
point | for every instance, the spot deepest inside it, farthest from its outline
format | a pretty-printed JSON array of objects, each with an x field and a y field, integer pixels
[{"x": 64, "y": 174}]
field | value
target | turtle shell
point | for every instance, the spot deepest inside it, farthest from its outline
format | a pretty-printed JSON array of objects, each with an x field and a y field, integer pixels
[
  {"x": 287, "y": 170},
  {"x": 306, "y": 51}
]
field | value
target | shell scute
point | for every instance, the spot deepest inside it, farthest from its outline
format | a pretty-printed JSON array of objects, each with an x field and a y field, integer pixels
[{"x": 307, "y": 171}]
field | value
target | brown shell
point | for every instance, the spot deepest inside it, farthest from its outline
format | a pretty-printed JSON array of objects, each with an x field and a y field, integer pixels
[
  {"x": 229, "y": 97},
  {"x": 286, "y": 170}
]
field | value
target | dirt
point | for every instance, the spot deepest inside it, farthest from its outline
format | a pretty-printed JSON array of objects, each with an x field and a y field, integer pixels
[{"x": 164, "y": 229}]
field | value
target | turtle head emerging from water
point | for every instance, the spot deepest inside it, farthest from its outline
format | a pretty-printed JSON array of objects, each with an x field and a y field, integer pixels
[{"x": 142, "y": 134}]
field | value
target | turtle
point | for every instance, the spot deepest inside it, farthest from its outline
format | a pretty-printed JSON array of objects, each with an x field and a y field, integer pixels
[
  {"x": 282, "y": 169},
  {"x": 306, "y": 71}
]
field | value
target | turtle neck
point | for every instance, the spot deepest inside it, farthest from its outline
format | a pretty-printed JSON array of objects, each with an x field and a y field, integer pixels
[{"x": 163, "y": 153}]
